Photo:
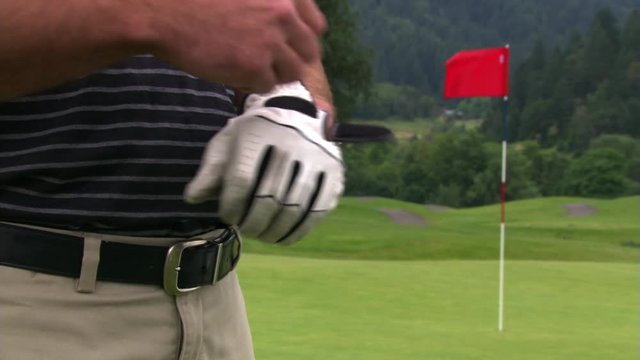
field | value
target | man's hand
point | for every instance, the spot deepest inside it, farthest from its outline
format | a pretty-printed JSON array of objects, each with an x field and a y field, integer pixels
[
  {"x": 249, "y": 44},
  {"x": 275, "y": 174}
]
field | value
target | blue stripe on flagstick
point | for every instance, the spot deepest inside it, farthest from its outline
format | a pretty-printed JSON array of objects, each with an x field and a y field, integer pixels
[{"x": 505, "y": 117}]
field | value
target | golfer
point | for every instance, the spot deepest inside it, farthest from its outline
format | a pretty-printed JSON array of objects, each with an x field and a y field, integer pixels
[{"x": 131, "y": 165}]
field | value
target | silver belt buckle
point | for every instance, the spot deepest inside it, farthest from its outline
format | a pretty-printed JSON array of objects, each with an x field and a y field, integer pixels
[{"x": 172, "y": 265}]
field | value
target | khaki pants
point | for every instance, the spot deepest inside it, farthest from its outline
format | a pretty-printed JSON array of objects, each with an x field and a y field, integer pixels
[{"x": 45, "y": 317}]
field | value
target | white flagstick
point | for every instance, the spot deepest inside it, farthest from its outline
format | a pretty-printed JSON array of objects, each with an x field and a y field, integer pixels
[
  {"x": 501, "y": 301},
  {"x": 503, "y": 196}
]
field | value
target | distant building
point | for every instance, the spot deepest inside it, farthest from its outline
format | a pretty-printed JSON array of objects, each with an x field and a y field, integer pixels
[{"x": 453, "y": 114}]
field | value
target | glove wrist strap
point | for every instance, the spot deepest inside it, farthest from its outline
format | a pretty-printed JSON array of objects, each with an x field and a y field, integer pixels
[{"x": 293, "y": 103}]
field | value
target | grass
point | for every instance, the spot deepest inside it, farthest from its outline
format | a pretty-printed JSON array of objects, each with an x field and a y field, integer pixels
[
  {"x": 419, "y": 127},
  {"x": 362, "y": 287},
  {"x": 377, "y": 310},
  {"x": 536, "y": 230}
]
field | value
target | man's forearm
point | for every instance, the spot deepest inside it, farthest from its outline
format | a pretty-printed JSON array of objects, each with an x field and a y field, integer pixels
[
  {"x": 315, "y": 80},
  {"x": 44, "y": 43},
  {"x": 242, "y": 43}
]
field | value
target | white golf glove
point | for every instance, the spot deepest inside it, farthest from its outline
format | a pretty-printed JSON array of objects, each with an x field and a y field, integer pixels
[{"x": 275, "y": 174}]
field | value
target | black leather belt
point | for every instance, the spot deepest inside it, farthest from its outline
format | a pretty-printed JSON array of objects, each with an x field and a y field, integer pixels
[{"x": 183, "y": 267}]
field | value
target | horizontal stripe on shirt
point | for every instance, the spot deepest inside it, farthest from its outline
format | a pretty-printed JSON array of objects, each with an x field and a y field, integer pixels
[
  {"x": 125, "y": 125},
  {"x": 78, "y": 164},
  {"x": 103, "y": 144},
  {"x": 114, "y": 178},
  {"x": 112, "y": 152},
  {"x": 129, "y": 214},
  {"x": 111, "y": 108},
  {"x": 121, "y": 89},
  {"x": 91, "y": 195},
  {"x": 146, "y": 72}
]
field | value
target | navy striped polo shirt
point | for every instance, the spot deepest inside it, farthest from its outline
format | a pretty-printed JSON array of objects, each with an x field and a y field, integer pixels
[{"x": 111, "y": 152}]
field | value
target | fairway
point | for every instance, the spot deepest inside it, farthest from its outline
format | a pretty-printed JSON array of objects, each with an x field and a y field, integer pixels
[
  {"x": 350, "y": 309},
  {"x": 364, "y": 287},
  {"x": 538, "y": 229}
]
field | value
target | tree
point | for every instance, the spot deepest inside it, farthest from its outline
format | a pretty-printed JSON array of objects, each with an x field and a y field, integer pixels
[
  {"x": 626, "y": 146},
  {"x": 547, "y": 167},
  {"x": 631, "y": 36},
  {"x": 393, "y": 101},
  {"x": 346, "y": 60},
  {"x": 413, "y": 38},
  {"x": 454, "y": 159},
  {"x": 597, "y": 173},
  {"x": 576, "y": 93},
  {"x": 602, "y": 47}
]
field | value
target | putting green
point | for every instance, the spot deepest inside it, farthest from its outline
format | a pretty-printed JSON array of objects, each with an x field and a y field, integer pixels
[{"x": 352, "y": 309}]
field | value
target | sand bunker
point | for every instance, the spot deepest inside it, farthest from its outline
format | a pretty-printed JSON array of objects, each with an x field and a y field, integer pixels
[
  {"x": 579, "y": 210},
  {"x": 402, "y": 217}
]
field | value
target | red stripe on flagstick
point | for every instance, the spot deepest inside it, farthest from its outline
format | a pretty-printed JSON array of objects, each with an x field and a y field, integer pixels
[{"x": 503, "y": 200}]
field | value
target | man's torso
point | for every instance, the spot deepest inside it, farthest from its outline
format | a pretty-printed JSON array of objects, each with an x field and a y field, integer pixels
[{"x": 111, "y": 152}]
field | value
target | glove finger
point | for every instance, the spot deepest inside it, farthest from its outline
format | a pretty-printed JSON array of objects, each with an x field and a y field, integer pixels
[
  {"x": 328, "y": 194},
  {"x": 241, "y": 183},
  {"x": 304, "y": 191},
  {"x": 206, "y": 184},
  {"x": 310, "y": 221},
  {"x": 268, "y": 199}
]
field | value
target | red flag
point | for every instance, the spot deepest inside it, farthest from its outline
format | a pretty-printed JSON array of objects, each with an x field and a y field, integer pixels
[{"x": 478, "y": 73}]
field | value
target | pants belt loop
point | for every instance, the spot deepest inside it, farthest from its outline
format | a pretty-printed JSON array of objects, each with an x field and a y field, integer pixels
[{"x": 86, "y": 284}]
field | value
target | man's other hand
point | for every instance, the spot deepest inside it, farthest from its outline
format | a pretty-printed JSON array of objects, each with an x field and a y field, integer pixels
[{"x": 248, "y": 44}]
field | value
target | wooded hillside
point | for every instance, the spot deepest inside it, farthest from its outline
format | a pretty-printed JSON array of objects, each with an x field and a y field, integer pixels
[{"x": 412, "y": 38}]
